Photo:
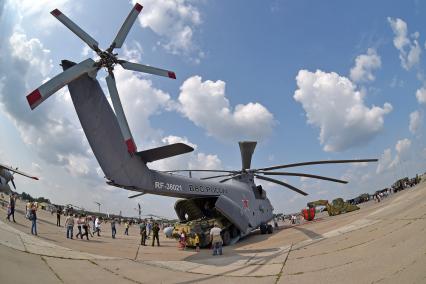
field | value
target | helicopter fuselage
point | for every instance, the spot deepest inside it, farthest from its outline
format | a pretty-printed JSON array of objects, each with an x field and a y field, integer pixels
[{"x": 239, "y": 199}]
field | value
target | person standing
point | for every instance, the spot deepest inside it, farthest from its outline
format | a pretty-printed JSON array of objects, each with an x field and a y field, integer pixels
[
  {"x": 33, "y": 217},
  {"x": 86, "y": 228},
  {"x": 97, "y": 226},
  {"x": 126, "y": 228},
  {"x": 216, "y": 239},
  {"x": 148, "y": 229},
  {"x": 155, "y": 234},
  {"x": 113, "y": 229},
  {"x": 142, "y": 227},
  {"x": 94, "y": 223},
  {"x": 58, "y": 216},
  {"x": 182, "y": 240},
  {"x": 69, "y": 224},
  {"x": 12, "y": 201},
  {"x": 79, "y": 224},
  {"x": 197, "y": 242},
  {"x": 27, "y": 210}
]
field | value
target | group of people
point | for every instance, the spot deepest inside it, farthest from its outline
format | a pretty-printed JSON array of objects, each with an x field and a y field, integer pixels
[
  {"x": 83, "y": 223},
  {"x": 84, "y": 228},
  {"x": 145, "y": 231},
  {"x": 215, "y": 238},
  {"x": 30, "y": 212}
]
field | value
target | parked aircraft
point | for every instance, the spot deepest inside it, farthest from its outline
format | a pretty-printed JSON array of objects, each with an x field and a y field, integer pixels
[
  {"x": 236, "y": 202},
  {"x": 6, "y": 176}
]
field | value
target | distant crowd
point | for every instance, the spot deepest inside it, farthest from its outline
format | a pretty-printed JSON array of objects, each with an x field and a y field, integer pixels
[{"x": 82, "y": 226}]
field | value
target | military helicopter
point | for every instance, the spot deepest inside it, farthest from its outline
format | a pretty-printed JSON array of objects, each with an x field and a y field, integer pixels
[
  {"x": 6, "y": 176},
  {"x": 236, "y": 202}
]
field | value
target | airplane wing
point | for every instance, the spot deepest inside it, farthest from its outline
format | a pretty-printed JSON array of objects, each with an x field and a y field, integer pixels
[{"x": 16, "y": 171}]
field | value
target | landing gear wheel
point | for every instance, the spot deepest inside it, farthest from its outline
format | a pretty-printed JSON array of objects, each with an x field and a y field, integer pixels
[
  {"x": 234, "y": 232},
  {"x": 270, "y": 229},
  {"x": 226, "y": 237},
  {"x": 263, "y": 228}
]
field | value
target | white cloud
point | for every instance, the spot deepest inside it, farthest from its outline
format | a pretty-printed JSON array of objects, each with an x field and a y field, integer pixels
[
  {"x": 415, "y": 121},
  {"x": 174, "y": 21},
  {"x": 205, "y": 104},
  {"x": 364, "y": 66},
  {"x": 31, "y": 51},
  {"x": 333, "y": 104},
  {"x": 386, "y": 162},
  {"x": 26, "y": 64},
  {"x": 409, "y": 49},
  {"x": 421, "y": 95},
  {"x": 402, "y": 147},
  {"x": 193, "y": 160},
  {"x": 132, "y": 54},
  {"x": 140, "y": 105},
  {"x": 171, "y": 139},
  {"x": 36, "y": 11}
]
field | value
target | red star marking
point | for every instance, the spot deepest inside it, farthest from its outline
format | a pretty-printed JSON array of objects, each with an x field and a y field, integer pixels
[{"x": 245, "y": 203}]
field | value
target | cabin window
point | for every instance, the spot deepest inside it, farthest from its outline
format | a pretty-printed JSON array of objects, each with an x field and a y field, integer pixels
[{"x": 259, "y": 193}]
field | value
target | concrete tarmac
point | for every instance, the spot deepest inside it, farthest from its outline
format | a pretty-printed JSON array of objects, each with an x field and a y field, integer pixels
[{"x": 381, "y": 243}]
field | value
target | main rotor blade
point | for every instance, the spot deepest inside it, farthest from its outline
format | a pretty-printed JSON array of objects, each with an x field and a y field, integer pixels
[
  {"x": 119, "y": 112},
  {"x": 146, "y": 69},
  {"x": 37, "y": 96},
  {"x": 125, "y": 28},
  {"x": 282, "y": 183},
  {"x": 214, "y": 171},
  {"x": 16, "y": 171},
  {"x": 227, "y": 175},
  {"x": 301, "y": 175},
  {"x": 136, "y": 195},
  {"x": 90, "y": 41},
  {"x": 237, "y": 175},
  {"x": 316, "y": 163}
]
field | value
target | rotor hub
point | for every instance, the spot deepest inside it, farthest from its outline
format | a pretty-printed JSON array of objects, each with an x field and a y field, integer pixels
[{"x": 107, "y": 60}]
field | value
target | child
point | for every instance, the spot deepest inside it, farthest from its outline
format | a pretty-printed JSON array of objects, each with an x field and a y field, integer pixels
[
  {"x": 182, "y": 241},
  {"x": 197, "y": 242}
]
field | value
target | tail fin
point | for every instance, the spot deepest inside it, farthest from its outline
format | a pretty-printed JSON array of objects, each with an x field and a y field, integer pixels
[{"x": 104, "y": 135}]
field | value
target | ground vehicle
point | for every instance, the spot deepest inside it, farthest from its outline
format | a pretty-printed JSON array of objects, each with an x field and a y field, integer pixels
[{"x": 338, "y": 206}]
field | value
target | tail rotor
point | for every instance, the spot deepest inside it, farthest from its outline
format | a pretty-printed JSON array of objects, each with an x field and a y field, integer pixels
[{"x": 108, "y": 60}]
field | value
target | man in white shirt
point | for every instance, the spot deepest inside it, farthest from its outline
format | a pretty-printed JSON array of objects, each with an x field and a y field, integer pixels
[
  {"x": 69, "y": 224},
  {"x": 97, "y": 226},
  {"x": 216, "y": 239}
]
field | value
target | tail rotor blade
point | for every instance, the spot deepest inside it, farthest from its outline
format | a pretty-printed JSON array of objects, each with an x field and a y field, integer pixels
[
  {"x": 119, "y": 112},
  {"x": 147, "y": 69},
  {"x": 125, "y": 28},
  {"x": 90, "y": 41},
  {"x": 282, "y": 183},
  {"x": 50, "y": 87},
  {"x": 301, "y": 175}
]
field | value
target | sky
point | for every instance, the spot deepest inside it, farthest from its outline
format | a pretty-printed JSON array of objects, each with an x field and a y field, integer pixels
[{"x": 308, "y": 80}]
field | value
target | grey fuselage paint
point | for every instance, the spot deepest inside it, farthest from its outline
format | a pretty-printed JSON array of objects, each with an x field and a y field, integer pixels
[{"x": 121, "y": 169}]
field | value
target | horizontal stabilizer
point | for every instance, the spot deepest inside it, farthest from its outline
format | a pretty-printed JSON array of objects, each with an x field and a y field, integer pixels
[{"x": 164, "y": 152}]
